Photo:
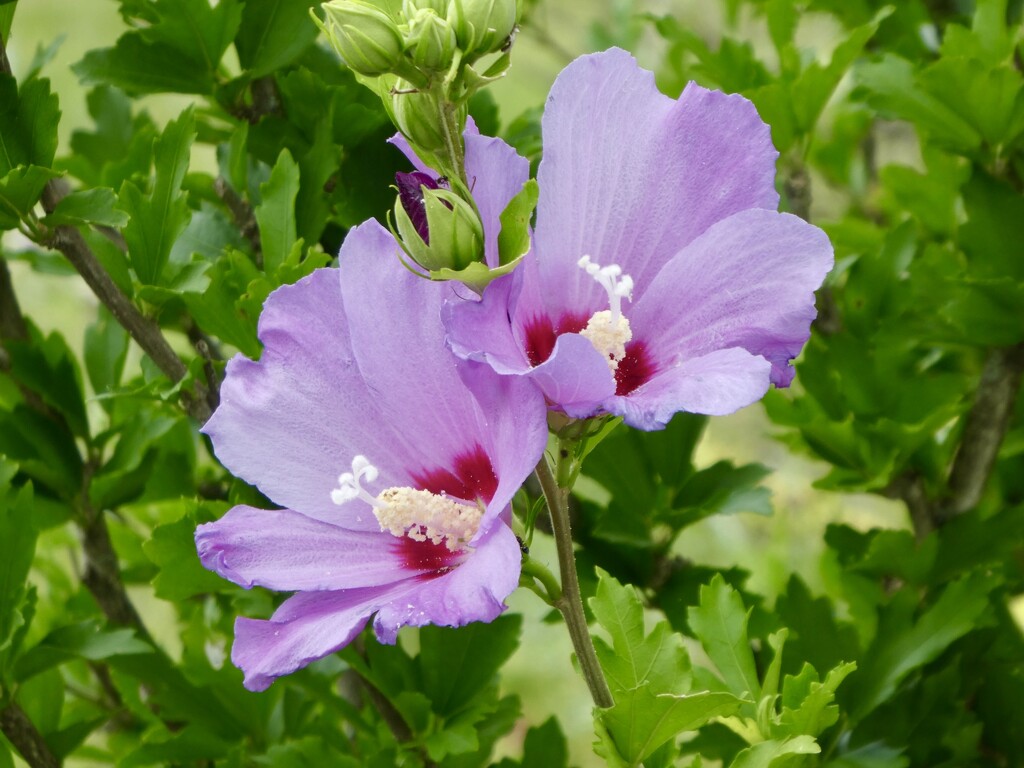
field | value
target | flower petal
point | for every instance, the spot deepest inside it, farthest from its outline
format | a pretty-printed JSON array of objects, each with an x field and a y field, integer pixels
[
  {"x": 307, "y": 627},
  {"x": 630, "y": 176},
  {"x": 291, "y": 422},
  {"x": 717, "y": 384},
  {"x": 748, "y": 282},
  {"x": 480, "y": 329},
  {"x": 474, "y": 591},
  {"x": 576, "y": 377},
  {"x": 286, "y": 551}
]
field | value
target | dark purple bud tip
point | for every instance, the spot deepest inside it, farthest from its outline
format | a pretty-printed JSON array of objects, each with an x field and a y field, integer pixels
[{"x": 410, "y": 192}]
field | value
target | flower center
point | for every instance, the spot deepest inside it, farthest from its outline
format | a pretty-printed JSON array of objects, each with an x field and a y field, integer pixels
[
  {"x": 418, "y": 514},
  {"x": 608, "y": 330}
]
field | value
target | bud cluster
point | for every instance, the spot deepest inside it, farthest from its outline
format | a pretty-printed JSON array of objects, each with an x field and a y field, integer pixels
[{"x": 424, "y": 61}]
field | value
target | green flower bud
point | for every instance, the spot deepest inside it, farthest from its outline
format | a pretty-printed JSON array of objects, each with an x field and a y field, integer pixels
[
  {"x": 417, "y": 115},
  {"x": 431, "y": 40},
  {"x": 452, "y": 236},
  {"x": 366, "y": 38},
  {"x": 482, "y": 26},
  {"x": 411, "y": 7}
]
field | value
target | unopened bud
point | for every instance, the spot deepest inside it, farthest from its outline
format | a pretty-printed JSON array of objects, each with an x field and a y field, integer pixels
[
  {"x": 438, "y": 228},
  {"x": 431, "y": 40},
  {"x": 418, "y": 116},
  {"x": 410, "y": 7},
  {"x": 482, "y": 26},
  {"x": 366, "y": 38}
]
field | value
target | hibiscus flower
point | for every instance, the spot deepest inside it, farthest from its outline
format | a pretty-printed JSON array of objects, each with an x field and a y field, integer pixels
[
  {"x": 661, "y": 276},
  {"x": 395, "y": 463}
]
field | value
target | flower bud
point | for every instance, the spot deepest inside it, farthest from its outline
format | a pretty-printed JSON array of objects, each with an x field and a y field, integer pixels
[
  {"x": 437, "y": 227},
  {"x": 365, "y": 37},
  {"x": 418, "y": 116},
  {"x": 410, "y": 7},
  {"x": 482, "y": 26},
  {"x": 431, "y": 40}
]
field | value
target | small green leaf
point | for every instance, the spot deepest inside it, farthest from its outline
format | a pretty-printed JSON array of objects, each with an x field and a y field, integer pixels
[
  {"x": 20, "y": 189},
  {"x": 545, "y": 747},
  {"x": 273, "y": 33},
  {"x": 159, "y": 217},
  {"x": 172, "y": 549},
  {"x": 776, "y": 754},
  {"x": 106, "y": 347},
  {"x": 276, "y": 212},
  {"x": 514, "y": 237},
  {"x": 28, "y": 123},
  {"x": 720, "y": 623},
  {"x": 807, "y": 706},
  {"x": 88, "y": 206},
  {"x": 19, "y": 537}
]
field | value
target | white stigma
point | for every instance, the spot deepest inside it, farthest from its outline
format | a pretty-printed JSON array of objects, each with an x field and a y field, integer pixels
[
  {"x": 608, "y": 330},
  {"x": 420, "y": 515}
]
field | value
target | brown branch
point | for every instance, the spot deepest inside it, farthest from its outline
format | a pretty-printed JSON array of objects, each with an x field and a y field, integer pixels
[
  {"x": 984, "y": 431},
  {"x": 243, "y": 216},
  {"x": 12, "y": 324},
  {"x": 909, "y": 488},
  {"x": 145, "y": 332},
  {"x": 26, "y": 738}
]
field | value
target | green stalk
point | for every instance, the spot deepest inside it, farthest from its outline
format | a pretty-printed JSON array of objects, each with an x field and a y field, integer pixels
[{"x": 570, "y": 604}]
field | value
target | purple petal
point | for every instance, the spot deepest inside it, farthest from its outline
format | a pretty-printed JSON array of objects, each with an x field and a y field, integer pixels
[
  {"x": 516, "y": 417},
  {"x": 496, "y": 173},
  {"x": 717, "y": 384},
  {"x": 307, "y": 627},
  {"x": 576, "y": 377},
  {"x": 748, "y": 282},
  {"x": 630, "y": 176},
  {"x": 474, "y": 591},
  {"x": 480, "y": 329},
  {"x": 286, "y": 551},
  {"x": 291, "y": 422}
]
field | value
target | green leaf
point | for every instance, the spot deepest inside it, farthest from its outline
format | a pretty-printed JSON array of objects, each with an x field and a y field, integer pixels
[
  {"x": 159, "y": 217},
  {"x": 545, "y": 746},
  {"x": 273, "y": 33},
  {"x": 658, "y": 659},
  {"x": 720, "y": 624},
  {"x": 88, "y": 206},
  {"x": 776, "y": 754},
  {"x": 85, "y": 640},
  {"x": 641, "y": 721},
  {"x": 514, "y": 237},
  {"x": 19, "y": 537},
  {"x": 276, "y": 212},
  {"x": 902, "y": 645},
  {"x": 106, "y": 347},
  {"x": 985, "y": 97},
  {"x": 28, "y": 123},
  {"x": 221, "y": 310},
  {"x": 458, "y": 663},
  {"x": 891, "y": 86},
  {"x": 807, "y": 706},
  {"x": 172, "y": 548},
  {"x": 20, "y": 189}
]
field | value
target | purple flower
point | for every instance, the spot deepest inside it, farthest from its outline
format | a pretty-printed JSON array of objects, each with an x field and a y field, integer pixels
[
  {"x": 661, "y": 277},
  {"x": 395, "y": 462}
]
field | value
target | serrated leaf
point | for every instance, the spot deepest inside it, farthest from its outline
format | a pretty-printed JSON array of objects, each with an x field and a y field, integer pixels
[
  {"x": 172, "y": 548},
  {"x": 159, "y": 217},
  {"x": 88, "y": 206},
  {"x": 545, "y": 746},
  {"x": 106, "y": 347},
  {"x": 221, "y": 310},
  {"x": 658, "y": 659},
  {"x": 273, "y": 33},
  {"x": 775, "y": 753},
  {"x": 276, "y": 212},
  {"x": 139, "y": 67},
  {"x": 642, "y": 721},
  {"x": 815, "y": 711},
  {"x": 720, "y": 624},
  {"x": 86, "y": 640},
  {"x": 514, "y": 236},
  {"x": 29, "y": 116}
]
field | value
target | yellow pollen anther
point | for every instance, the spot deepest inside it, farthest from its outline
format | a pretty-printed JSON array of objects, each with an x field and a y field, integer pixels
[
  {"x": 608, "y": 338},
  {"x": 426, "y": 516}
]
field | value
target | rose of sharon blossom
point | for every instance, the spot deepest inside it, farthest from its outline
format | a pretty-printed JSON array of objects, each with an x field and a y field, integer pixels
[
  {"x": 395, "y": 463},
  {"x": 661, "y": 277}
]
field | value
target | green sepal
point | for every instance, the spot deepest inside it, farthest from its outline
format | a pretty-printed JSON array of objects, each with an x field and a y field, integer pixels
[{"x": 514, "y": 237}]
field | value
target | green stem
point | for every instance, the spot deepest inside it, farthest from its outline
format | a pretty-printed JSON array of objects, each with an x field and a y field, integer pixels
[
  {"x": 455, "y": 152},
  {"x": 570, "y": 604},
  {"x": 536, "y": 571}
]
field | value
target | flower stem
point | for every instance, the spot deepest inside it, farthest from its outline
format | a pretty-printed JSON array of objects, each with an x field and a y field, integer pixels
[{"x": 570, "y": 604}]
